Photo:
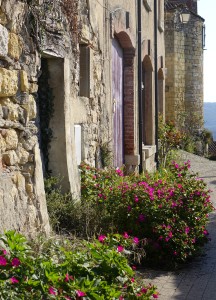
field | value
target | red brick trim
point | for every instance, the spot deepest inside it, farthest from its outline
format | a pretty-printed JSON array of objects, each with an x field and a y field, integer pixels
[{"x": 129, "y": 112}]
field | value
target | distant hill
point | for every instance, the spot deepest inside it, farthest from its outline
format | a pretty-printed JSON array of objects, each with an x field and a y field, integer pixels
[{"x": 210, "y": 117}]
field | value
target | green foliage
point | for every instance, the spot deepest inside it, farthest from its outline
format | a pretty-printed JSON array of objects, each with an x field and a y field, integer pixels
[
  {"x": 169, "y": 208},
  {"x": 61, "y": 270},
  {"x": 167, "y": 211},
  {"x": 106, "y": 155},
  {"x": 170, "y": 139}
]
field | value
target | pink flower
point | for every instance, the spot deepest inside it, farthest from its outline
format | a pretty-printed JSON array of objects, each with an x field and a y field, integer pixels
[
  {"x": 129, "y": 208},
  {"x": 120, "y": 249},
  {"x": 101, "y": 238},
  {"x": 176, "y": 165},
  {"x": 15, "y": 262},
  {"x": 4, "y": 251},
  {"x": 205, "y": 232},
  {"x": 155, "y": 296},
  {"x": 67, "y": 298},
  {"x": 144, "y": 290},
  {"x": 187, "y": 230},
  {"x": 68, "y": 277},
  {"x": 14, "y": 280},
  {"x": 170, "y": 234},
  {"x": 133, "y": 267},
  {"x": 80, "y": 293},
  {"x": 3, "y": 261},
  {"x": 175, "y": 253},
  {"x": 132, "y": 279},
  {"x": 136, "y": 240},
  {"x": 141, "y": 218},
  {"x": 125, "y": 235},
  {"x": 136, "y": 199},
  {"x": 119, "y": 172},
  {"x": 121, "y": 298}
]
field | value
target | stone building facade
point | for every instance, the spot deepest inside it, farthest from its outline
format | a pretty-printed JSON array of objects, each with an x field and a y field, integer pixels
[
  {"x": 184, "y": 62},
  {"x": 69, "y": 93}
]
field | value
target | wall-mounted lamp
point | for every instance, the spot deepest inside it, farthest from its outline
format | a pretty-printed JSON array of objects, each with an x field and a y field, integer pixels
[{"x": 184, "y": 17}]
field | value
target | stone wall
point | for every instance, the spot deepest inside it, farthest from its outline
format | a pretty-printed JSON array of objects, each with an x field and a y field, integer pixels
[
  {"x": 22, "y": 198},
  {"x": 56, "y": 104},
  {"x": 184, "y": 62}
]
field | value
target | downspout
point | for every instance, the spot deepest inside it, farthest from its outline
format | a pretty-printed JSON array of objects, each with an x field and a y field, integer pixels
[
  {"x": 139, "y": 58},
  {"x": 156, "y": 79}
]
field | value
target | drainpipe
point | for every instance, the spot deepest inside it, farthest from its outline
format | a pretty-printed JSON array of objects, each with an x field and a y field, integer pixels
[
  {"x": 156, "y": 79},
  {"x": 139, "y": 58}
]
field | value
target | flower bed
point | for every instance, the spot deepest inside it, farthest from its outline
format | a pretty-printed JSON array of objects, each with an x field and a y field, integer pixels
[
  {"x": 68, "y": 269},
  {"x": 169, "y": 208}
]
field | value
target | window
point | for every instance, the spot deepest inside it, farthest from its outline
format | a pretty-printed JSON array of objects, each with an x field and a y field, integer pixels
[
  {"x": 78, "y": 142},
  {"x": 84, "y": 79}
]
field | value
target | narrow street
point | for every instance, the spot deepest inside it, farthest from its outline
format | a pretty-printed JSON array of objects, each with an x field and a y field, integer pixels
[{"x": 197, "y": 281}]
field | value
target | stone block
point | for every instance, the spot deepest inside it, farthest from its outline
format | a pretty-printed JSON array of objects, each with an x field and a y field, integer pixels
[
  {"x": 33, "y": 88},
  {"x": 29, "y": 143},
  {"x": 13, "y": 109},
  {"x": 14, "y": 46},
  {"x": 3, "y": 18},
  {"x": 19, "y": 180},
  {"x": 11, "y": 139},
  {"x": 1, "y": 112},
  {"x": 23, "y": 155},
  {"x": 15, "y": 11},
  {"x": 29, "y": 188},
  {"x": 8, "y": 83},
  {"x": 133, "y": 160},
  {"x": 4, "y": 37},
  {"x": 24, "y": 81},
  {"x": 31, "y": 108},
  {"x": 149, "y": 150},
  {"x": 10, "y": 158},
  {"x": 29, "y": 168},
  {"x": 2, "y": 144}
]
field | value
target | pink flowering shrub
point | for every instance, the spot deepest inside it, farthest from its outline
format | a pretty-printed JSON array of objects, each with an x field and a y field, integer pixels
[
  {"x": 70, "y": 270},
  {"x": 170, "y": 209}
]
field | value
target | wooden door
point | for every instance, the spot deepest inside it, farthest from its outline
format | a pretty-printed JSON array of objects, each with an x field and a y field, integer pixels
[{"x": 117, "y": 94}]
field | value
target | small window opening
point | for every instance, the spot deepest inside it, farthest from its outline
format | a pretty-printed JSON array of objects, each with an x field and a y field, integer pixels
[{"x": 84, "y": 80}]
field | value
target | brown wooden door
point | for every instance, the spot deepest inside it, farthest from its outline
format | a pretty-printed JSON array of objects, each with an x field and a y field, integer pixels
[{"x": 117, "y": 94}]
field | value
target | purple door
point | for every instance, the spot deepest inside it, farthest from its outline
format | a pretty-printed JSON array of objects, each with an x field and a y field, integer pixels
[{"x": 117, "y": 94}]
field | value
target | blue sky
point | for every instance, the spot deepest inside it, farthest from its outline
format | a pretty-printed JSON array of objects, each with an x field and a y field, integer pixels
[{"x": 207, "y": 9}]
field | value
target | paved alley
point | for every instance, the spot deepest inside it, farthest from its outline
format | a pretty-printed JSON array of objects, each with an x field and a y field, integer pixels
[{"x": 198, "y": 279}]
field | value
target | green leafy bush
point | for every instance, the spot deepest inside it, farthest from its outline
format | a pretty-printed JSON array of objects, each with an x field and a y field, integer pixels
[
  {"x": 170, "y": 139},
  {"x": 68, "y": 269},
  {"x": 169, "y": 208}
]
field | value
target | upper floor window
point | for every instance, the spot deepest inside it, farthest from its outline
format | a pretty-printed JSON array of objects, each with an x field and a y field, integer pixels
[{"x": 84, "y": 79}]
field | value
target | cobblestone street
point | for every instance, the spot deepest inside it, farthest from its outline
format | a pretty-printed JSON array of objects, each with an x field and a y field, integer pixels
[{"x": 198, "y": 279}]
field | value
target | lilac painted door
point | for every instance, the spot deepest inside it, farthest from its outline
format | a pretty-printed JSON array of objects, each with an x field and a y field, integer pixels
[{"x": 117, "y": 94}]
